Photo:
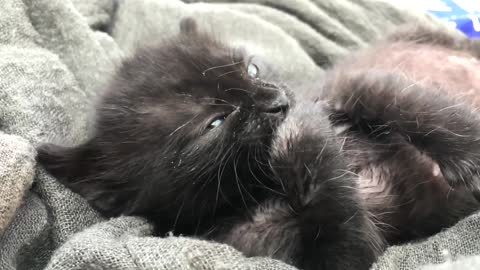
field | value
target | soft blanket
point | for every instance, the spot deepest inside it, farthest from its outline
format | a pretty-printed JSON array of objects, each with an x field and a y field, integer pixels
[{"x": 55, "y": 56}]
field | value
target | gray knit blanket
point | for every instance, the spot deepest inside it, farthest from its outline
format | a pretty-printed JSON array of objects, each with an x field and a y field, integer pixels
[{"x": 55, "y": 57}]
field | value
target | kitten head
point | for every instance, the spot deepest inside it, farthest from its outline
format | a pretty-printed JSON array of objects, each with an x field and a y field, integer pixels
[{"x": 181, "y": 134}]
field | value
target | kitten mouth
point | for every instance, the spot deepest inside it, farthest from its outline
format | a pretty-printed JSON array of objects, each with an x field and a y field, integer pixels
[
  {"x": 281, "y": 109},
  {"x": 279, "y": 106}
]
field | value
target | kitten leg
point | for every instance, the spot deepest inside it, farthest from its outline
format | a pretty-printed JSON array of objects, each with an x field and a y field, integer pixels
[
  {"x": 334, "y": 227},
  {"x": 272, "y": 231},
  {"x": 448, "y": 130},
  {"x": 405, "y": 191},
  {"x": 432, "y": 204}
]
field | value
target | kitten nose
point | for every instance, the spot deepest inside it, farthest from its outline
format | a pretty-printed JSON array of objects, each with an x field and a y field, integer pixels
[{"x": 278, "y": 104}]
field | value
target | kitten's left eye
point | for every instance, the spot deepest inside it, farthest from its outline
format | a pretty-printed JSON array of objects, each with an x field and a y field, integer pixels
[
  {"x": 252, "y": 71},
  {"x": 216, "y": 122}
]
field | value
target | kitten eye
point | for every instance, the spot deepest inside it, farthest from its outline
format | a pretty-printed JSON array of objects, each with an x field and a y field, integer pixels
[
  {"x": 252, "y": 71},
  {"x": 216, "y": 122}
]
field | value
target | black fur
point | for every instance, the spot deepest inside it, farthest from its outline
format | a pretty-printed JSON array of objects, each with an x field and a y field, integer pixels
[
  {"x": 153, "y": 153},
  {"x": 405, "y": 116},
  {"x": 274, "y": 179}
]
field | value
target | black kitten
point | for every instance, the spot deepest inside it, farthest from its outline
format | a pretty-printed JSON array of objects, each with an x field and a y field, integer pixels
[
  {"x": 173, "y": 134},
  {"x": 190, "y": 137},
  {"x": 183, "y": 137}
]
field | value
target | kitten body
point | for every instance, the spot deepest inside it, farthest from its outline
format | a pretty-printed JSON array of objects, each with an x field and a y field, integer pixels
[
  {"x": 190, "y": 137},
  {"x": 406, "y": 108}
]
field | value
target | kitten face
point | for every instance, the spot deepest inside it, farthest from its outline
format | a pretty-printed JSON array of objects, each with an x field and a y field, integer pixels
[{"x": 181, "y": 135}]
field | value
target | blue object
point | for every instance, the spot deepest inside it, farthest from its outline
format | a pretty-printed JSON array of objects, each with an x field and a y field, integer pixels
[{"x": 462, "y": 14}]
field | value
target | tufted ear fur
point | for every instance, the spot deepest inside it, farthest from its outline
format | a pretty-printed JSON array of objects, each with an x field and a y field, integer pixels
[{"x": 75, "y": 167}]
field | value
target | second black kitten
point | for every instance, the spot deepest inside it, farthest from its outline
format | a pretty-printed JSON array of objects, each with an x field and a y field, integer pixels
[{"x": 189, "y": 136}]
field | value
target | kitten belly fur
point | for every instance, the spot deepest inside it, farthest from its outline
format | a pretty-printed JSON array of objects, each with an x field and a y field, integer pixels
[
  {"x": 450, "y": 72},
  {"x": 401, "y": 185}
]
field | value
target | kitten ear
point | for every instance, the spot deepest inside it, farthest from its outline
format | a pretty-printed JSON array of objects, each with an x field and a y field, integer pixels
[
  {"x": 188, "y": 26},
  {"x": 74, "y": 167}
]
